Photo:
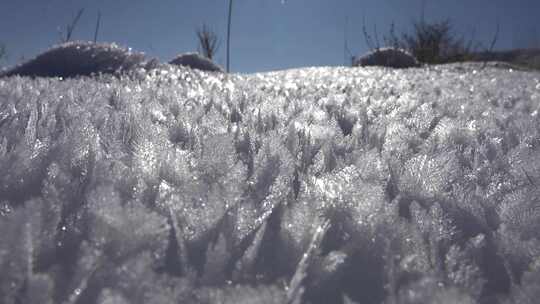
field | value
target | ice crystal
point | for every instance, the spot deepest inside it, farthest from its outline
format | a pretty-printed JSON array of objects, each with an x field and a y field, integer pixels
[{"x": 314, "y": 185}]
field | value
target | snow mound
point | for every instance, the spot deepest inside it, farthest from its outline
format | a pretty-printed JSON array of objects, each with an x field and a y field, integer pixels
[
  {"x": 387, "y": 57},
  {"x": 196, "y": 61},
  {"x": 80, "y": 58}
]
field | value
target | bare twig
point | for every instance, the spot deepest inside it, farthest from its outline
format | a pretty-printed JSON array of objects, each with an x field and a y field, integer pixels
[
  {"x": 208, "y": 41},
  {"x": 347, "y": 54},
  {"x": 392, "y": 39},
  {"x": 376, "y": 35},
  {"x": 98, "y": 23},
  {"x": 492, "y": 45},
  {"x": 3, "y": 52},
  {"x": 367, "y": 37},
  {"x": 469, "y": 46},
  {"x": 229, "y": 36},
  {"x": 71, "y": 27},
  {"x": 495, "y": 37}
]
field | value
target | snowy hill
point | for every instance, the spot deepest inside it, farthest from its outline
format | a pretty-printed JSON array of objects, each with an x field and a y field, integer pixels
[
  {"x": 316, "y": 185},
  {"x": 527, "y": 58}
]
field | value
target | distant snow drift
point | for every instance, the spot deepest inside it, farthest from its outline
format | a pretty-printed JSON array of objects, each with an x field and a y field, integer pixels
[
  {"x": 387, "y": 57},
  {"x": 318, "y": 185},
  {"x": 80, "y": 58},
  {"x": 196, "y": 61}
]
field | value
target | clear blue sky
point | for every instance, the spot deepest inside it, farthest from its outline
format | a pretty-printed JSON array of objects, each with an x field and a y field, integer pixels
[{"x": 266, "y": 34}]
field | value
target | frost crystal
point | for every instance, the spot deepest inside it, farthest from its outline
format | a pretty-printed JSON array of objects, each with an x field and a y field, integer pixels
[{"x": 315, "y": 185}]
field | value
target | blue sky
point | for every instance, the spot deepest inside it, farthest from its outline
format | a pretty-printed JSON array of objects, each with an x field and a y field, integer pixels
[{"x": 266, "y": 34}]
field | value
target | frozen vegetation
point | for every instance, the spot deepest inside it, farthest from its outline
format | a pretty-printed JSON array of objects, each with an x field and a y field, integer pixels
[{"x": 316, "y": 185}]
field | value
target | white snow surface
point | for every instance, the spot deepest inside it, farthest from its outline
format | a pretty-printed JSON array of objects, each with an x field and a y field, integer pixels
[{"x": 120, "y": 161}]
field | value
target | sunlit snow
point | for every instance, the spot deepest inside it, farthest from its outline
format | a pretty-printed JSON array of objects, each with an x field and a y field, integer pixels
[{"x": 318, "y": 184}]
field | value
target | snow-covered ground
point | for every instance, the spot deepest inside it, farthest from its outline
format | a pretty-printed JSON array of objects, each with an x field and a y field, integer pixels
[{"x": 314, "y": 185}]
